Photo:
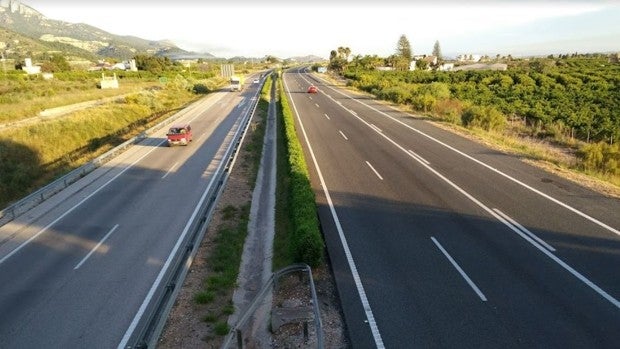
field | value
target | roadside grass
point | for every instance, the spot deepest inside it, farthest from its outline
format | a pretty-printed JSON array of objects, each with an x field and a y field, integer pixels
[
  {"x": 556, "y": 155},
  {"x": 560, "y": 159},
  {"x": 25, "y": 99},
  {"x": 224, "y": 260},
  {"x": 53, "y": 148}
]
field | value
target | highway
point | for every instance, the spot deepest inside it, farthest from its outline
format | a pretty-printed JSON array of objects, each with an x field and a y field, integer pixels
[
  {"x": 439, "y": 242},
  {"x": 79, "y": 270}
]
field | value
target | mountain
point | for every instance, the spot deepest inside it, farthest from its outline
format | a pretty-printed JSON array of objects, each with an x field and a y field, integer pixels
[
  {"x": 21, "y": 19},
  {"x": 308, "y": 59},
  {"x": 17, "y": 46}
]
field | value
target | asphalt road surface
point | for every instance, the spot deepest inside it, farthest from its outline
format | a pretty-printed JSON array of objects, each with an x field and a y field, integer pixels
[
  {"x": 437, "y": 241},
  {"x": 77, "y": 270}
]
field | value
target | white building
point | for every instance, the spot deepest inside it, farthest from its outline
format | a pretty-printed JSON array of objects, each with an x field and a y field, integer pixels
[
  {"x": 29, "y": 68},
  {"x": 446, "y": 67}
]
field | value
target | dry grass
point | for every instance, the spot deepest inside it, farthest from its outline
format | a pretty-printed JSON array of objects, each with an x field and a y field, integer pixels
[
  {"x": 27, "y": 99},
  {"x": 556, "y": 158}
]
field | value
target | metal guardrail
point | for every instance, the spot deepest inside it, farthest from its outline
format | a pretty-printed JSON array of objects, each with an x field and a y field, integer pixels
[
  {"x": 282, "y": 312},
  {"x": 147, "y": 332},
  {"x": 18, "y": 208}
]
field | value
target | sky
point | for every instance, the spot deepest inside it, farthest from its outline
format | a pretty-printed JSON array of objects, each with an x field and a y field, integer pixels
[{"x": 292, "y": 28}]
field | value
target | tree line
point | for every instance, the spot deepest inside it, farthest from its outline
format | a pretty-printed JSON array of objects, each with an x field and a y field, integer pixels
[
  {"x": 571, "y": 98},
  {"x": 576, "y": 98}
]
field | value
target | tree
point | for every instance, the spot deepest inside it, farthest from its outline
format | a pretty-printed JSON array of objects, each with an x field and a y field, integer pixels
[
  {"x": 56, "y": 63},
  {"x": 271, "y": 59},
  {"x": 344, "y": 52},
  {"x": 421, "y": 64},
  {"x": 370, "y": 62},
  {"x": 153, "y": 64},
  {"x": 403, "y": 53},
  {"x": 338, "y": 59},
  {"x": 437, "y": 52}
]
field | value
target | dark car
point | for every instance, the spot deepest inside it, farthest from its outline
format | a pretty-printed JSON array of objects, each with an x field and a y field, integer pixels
[
  {"x": 313, "y": 89},
  {"x": 179, "y": 134}
]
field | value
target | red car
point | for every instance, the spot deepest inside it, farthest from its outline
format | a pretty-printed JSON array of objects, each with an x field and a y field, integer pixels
[
  {"x": 313, "y": 89},
  {"x": 179, "y": 134}
]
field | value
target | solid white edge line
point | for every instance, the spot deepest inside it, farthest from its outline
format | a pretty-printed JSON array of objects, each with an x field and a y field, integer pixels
[
  {"x": 25, "y": 243},
  {"x": 460, "y": 270},
  {"x": 356, "y": 278},
  {"x": 96, "y": 247},
  {"x": 515, "y": 229},
  {"x": 343, "y": 136},
  {"x": 548, "y": 197},
  {"x": 525, "y": 230},
  {"x": 568, "y": 268},
  {"x": 373, "y": 169},
  {"x": 164, "y": 269},
  {"x": 78, "y": 204}
]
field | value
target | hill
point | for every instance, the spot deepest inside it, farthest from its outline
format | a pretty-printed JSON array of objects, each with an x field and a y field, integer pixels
[
  {"x": 45, "y": 34},
  {"x": 16, "y": 46}
]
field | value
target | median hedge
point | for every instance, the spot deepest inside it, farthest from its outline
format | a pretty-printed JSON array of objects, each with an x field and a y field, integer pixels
[{"x": 306, "y": 241}]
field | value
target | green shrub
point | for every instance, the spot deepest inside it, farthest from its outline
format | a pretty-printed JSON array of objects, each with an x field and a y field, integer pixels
[
  {"x": 204, "y": 297},
  {"x": 449, "y": 110},
  {"x": 424, "y": 102},
  {"x": 396, "y": 94},
  {"x": 229, "y": 309},
  {"x": 306, "y": 242},
  {"x": 200, "y": 89},
  {"x": 210, "y": 318},
  {"x": 221, "y": 328},
  {"x": 601, "y": 157},
  {"x": 487, "y": 118}
]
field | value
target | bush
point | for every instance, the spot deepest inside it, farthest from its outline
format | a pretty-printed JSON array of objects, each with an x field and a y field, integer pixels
[
  {"x": 487, "y": 118},
  {"x": 204, "y": 297},
  {"x": 200, "y": 89},
  {"x": 221, "y": 328},
  {"x": 424, "y": 102},
  {"x": 449, "y": 110},
  {"x": 306, "y": 242},
  {"x": 395, "y": 94},
  {"x": 601, "y": 157}
]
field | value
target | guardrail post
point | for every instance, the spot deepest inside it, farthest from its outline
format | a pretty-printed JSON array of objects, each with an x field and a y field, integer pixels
[
  {"x": 306, "y": 336},
  {"x": 239, "y": 339}
]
